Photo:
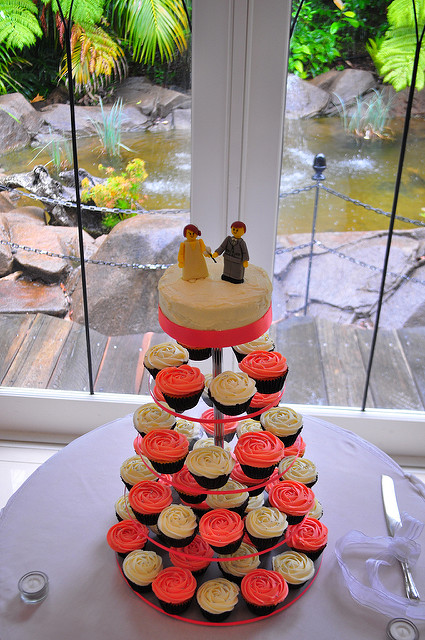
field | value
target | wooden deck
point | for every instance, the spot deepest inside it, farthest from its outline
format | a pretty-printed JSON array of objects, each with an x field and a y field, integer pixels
[{"x": 327, "y": 362}]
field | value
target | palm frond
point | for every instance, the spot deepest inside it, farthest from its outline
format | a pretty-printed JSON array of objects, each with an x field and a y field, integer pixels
[{"x": 19, "y": 25}]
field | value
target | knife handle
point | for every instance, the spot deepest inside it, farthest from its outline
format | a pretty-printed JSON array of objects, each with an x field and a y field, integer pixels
[{"x": 411, "y": 590}]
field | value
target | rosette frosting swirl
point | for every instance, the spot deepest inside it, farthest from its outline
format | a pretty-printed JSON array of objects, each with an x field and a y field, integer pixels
[
  {"x": 182, "y": 381},
  {"x": 265, "y": 522},
  {"x": 245, "y": 426},
  {"x": 259, "y": 449},
  {"x": 210, "y": 461},
  {"x": 174, "y": 584},
  {"x": 308, "y": 535},
  {"x": 210, "y": 442},
  {"x": 282, "y": 421},
  {"x": 299, "y": 469},
  {"x": 228, "y": 500},
  {"x": 263, "y": 365},
  {"x": 263, "y": 343},
  {"x": 136, "y": 469},
  {"x": 208, "y": 425},
  {"x": 188, "y": 428},
  {"x": 240, "y": 566},
  {"x": 317, "y": 510},
  {"x": 166, "y": 354},
  {"x": 177, "y": 521},
  {"x": 294, "y": 567},
  {"x": 127, "y": 535},
  {"x": 149, "y": 497},
  {"x": 220, "y": 526},
  {"x": 217, "y": 595},
  {"x": 291, "y": 497},
  {"x": 232, "y": 387},
  {"x": 149, "y": 416},
  {"x": 123, "y": 508},
  {"x": 263, "y": 587},
  {"x": 185, "y": 557},
  {"x": 164, "y": 445},
  {"x": 142, "y": 567}
]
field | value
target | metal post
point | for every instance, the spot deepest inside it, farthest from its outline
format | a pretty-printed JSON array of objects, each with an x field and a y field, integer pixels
[
  {"x": 319, "y": 165},
  {"x": 218, "y": 426}
]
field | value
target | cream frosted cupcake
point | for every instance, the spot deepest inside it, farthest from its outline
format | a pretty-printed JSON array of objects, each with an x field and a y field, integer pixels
[
  {"x": 205, "y": 397},
  {"x": 255, "y": 502},
  {"x": 149, "y": 416},
  {"x": 123, "y": 510},
  {"x": 141, "y": 568},
  {"x": 317, "y": 510},
  {"x": 263, "y": 343},
  {"x": 192, "y": 430},
  {"x": 296, "y": 568},
  {"x": 217, "y": 598},
  {"x": 210, "y": 466},
  {"x": 245, "y": 426},
  {"x": 283, "y": 422},
  {"x": 298, "y": 469},
  {"x": 239, "y": 566},
  {"x": 165, "y": 354},
  {"x": 177, "y": 525},
  {"x": 265, "y": 526},
  {"x": 210, "y": 442},
  {"x": 136, "y": 469},
  {"x": 233, "y": 501},
  {"x": 231, "y": 392}
]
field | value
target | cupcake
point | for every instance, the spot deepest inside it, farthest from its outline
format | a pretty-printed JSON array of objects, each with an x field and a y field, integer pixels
[
  {"x": 296, "y": 568},
  {"x": 126, "y": 536},
  {"x": 316, "y": 511},
  {"x": 149, "y": 416},
  {"x": 262, "y": 401},
  {"x": 255, "y": 487},
  {"x": 268, "y": 368},
  {"x": 258, "y": 453},
  {"x": 210, "y": 466},
  {"x": 136, "y": 469},
  {"x": 232, "y": 501},
  {"x": 217, "y": 598},
  {"x": 191, "y": 430},
  {"x": 141, "y": 568},
  {"x": 123, "y": 510},
  {"x": 263, "y": 343},
  {"x": 297, "y": 449},
  {"x": 293, "y": 499},
  {"x": 236, "y": 568},
  {"x": 309, "y": 537},
  {"x": 255, "y": 502},
  {"x": 245, "y": 426},
  {"x": 265, "y": 526},
  {"x": 181, "y": 386},
  {"x": 228, "y": 427},
  {"x": 299, "y": 469},
  {"x": 263, "y": 591},
  {"x": 165, "y": 449},
  {"x": 174, "y": 587},
  {"x": 231, "y": 392},
  {"x": 187, "y": 487},
  {"x": 222, "y": 529},
  {"x": 198, "y": 353},
  {"x": 283, "y": 422},
  {"x": 196, "y": 556},
  {"x": 147, "y": 499},
  {"x": 177, "y": 525},
  {"x": 166, "y": 354},
  {"x": 210, "y": 442}
]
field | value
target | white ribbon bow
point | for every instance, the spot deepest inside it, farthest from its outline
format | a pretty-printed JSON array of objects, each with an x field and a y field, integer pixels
[{"x": 383, "y": 551}]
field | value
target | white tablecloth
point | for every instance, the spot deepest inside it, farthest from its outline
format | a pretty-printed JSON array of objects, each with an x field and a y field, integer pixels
[{"x": 57, "y": 522}]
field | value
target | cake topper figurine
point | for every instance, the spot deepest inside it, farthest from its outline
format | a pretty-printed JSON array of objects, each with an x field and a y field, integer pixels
[
  {"x": 191, "y": 254},
  {"x": 235, "y": 254}
]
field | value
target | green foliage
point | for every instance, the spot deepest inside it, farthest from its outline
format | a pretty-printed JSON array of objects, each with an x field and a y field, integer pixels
[
  {"x": 84, "y": 12},
  {"x": 394, "y": 54},
  {"x": 109, "y": 130},
  {"x": 370, "y": 117},
  {"x": 8, "y": 63},
  {"x": 122, "y": 191},
  {"x": 19, "y": 25}
]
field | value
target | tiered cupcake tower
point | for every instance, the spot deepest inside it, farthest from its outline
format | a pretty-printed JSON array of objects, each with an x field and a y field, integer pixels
[{"x": 264, "y": 590}]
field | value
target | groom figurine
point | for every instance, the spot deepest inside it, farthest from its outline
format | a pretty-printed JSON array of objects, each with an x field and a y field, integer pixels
[{"x": 235, "y": 254}]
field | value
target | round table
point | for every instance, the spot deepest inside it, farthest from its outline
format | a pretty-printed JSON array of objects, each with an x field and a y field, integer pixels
[{"x": 57, "y": 523}]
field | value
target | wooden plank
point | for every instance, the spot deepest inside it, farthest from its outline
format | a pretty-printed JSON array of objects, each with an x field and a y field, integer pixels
[
  {"x": 296, "y": 339},
  {"x": 13, "y": 329},
  {"x": 121, "y": 368},
  {"x": 40, "y": 350},
  {"x": 71, "y": 371},
  {"x": 391, "y": 382},
  {"x": 154, "y": 338},
  {"x": 413, "y": 343},
  {"x": 342, "y": 361}
]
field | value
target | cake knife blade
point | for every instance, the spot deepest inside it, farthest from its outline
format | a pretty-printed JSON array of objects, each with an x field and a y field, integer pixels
[{"x": 392, "y": 517}]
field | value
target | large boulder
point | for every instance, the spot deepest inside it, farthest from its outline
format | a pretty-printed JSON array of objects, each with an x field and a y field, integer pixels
[
  {"x": 58, "y": 118},
  {"x": 19, "y": 121},
  {"x": 344, "y": 87},
  {"x": 152, "y": 100},
  {"x": 303, "y": 99}
]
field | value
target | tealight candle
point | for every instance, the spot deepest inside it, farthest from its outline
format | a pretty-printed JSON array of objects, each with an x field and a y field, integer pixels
[
  {"x": 402, "y": 629},
  {"x": 33, "y": 587}
]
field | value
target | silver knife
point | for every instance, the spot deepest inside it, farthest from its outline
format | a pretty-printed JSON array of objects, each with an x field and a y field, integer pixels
[{"x": 392, "y": 516}]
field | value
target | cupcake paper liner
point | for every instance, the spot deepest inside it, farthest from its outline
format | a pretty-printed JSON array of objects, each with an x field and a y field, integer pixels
[
  {"x": 273, "y": 385},
  {"x": 139, "y": 588},
  {"x": 192, "y": 499},
  {"x": 230, "y": 547},
  {"x": 215, "y": 617},
  {"x": 294, "y": 519},
  {"x": 175, "y": 608},
  {"x": 229, "y": 576},
  {"x": 261, "y": 610},
  {"x": 231, "y": 410},
  {"x": 147, "y": 518},
  {"x": 168, "y": 467},
  {"x": 263, "y": 543},
  {"x": 175, "y": 542},
  {"x": 182, "y": 403},
  {"x": 257, "y": 473},
  {"x": 289, "y": 440},
  {"x": 212, "y": 483},
  {"x": 312, "y": 554}
]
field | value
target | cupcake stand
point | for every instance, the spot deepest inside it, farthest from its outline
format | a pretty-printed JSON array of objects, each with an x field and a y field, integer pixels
[{"x": 217, "y": 340}]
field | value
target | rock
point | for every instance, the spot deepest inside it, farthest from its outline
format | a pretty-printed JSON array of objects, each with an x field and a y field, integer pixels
[
  {"x": 29, "y": 214},
  {"x": 58, "y": 118},
  {"x": 13, "y": 133},
  {"x": 346, "y": 85},
  {"x": 6, "y": 257},
  {"x": 398, "y": 102},
  {"x": 125, "y": 300},
  {"x": 152, "y": 100},
  {"x": 36, "y": 265},
  {"x": 303, "y": 99},
  {"x": 21, "y": 296},
  {"x": 182, "y": 119},
  {"x": 406, "y": 307},
  {"x": 21, "y": 110}
]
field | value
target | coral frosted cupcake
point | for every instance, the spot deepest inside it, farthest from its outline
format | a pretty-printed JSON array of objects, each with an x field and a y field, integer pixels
[
  {"x": 174, "y": 587},
  {"x": 292, "y": 498},
  {"x": 126, "y": 536},
  {"x": 283, "y": 422},
  {"x": 296, "y": 568},
  {"x": 263, "y": 591},
  {"x": 165, "y": 449},
  {"x": 248, "y": 425},
  {"x": 262, "y": 400},
  {"x": 165, "y": 354},
  {"x": 191, "y": 430},
  {"x": 265, "y": 526},
  {"x": 229, "y": 427},
  {"x": 231, "y": 392},
  {"x": 123, "y": 510},
  {"x": 187, "y": 487},
  {"x": 309, "y": 537},
  {"x": 268, "y": 368},
  {"x": 135, "y": 469},
  {"x": 141, "y": 568},
  {"x": 181, "y": 386},
  {"x": 149, "y": 416},
  {"x": 299, "y": 469},
  {"x": 263, "y": 343},
  {"x": 222, "y": 529},
  {"x": 147, "y": 499},
  {"x": 196, "y": 556},
  {"x": 177, "y": 525},
  {"x": 233, "y": 501},
  {"x": 217, "y": 598},
  {"x": 237, "y": 566},
  {"x": 258, "y": 453},
  {"x": 210, "y": 466}
]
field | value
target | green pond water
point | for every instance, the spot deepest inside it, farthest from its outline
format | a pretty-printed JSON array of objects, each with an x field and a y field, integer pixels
[{"x": 363, "y": 170}]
